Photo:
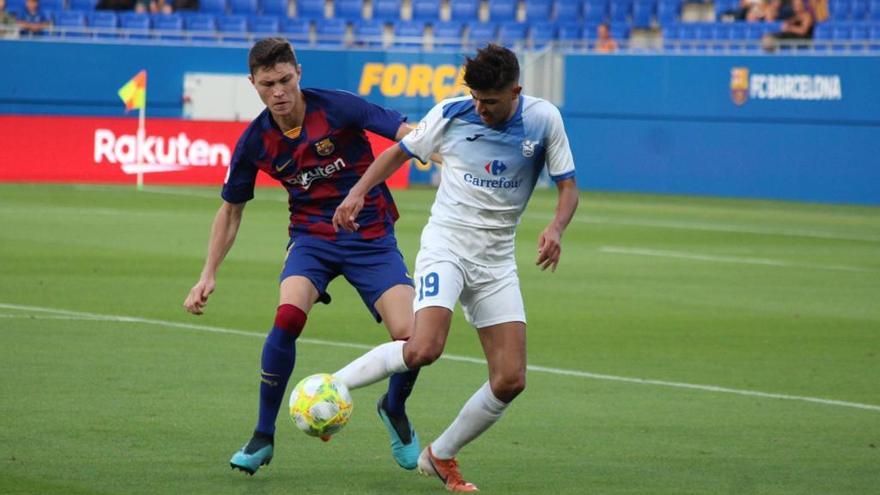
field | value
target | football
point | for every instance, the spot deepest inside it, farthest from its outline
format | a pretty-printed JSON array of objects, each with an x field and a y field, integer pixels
[{"x": 320, "y": 405}]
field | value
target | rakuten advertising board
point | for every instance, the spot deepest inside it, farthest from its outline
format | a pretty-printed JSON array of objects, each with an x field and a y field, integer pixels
[{"x": 110, "y": 150}]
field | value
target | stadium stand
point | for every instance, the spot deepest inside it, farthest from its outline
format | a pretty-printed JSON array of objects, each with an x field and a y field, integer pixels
[
  {"x": 852, "y": 25},
  {"x": 387, "y": 10}
]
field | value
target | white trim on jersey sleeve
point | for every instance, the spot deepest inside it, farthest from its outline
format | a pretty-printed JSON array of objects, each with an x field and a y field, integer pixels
[
  {"x": 427, "y": 137},
  {"x": 560, "y": 163}
]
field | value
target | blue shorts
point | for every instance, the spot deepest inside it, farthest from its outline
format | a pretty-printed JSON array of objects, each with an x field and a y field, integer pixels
[{"x": 371, "y": 267}]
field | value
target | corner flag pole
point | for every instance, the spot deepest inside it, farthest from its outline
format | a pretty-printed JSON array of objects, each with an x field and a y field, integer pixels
[
  {"x": 141, "y": 136},
  {"x": 134, "y": 95}
]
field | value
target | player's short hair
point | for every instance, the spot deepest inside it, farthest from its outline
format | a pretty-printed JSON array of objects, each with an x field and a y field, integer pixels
[
  {"x": 494, "y": 68},
  {"x": 268, "y": 52}
]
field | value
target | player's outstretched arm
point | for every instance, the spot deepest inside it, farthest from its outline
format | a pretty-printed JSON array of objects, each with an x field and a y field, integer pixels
[
  {"x": 223, "y": 232},
  {"x": 550, "y": 240},
  {"x": 382, "y": 167}
]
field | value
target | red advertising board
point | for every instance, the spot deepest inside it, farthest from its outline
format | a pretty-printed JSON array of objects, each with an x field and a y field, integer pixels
[{"x": 109, "y": 150}]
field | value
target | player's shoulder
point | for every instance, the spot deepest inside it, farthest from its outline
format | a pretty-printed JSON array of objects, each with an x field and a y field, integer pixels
[
  {"x": 458, "y": 106},
  {"x": 539, "y": 108}
]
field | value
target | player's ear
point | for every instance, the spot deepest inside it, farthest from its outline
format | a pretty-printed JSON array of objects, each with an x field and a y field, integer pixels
[
  {"x": 251, "y": 79},
  {"x": 517, "y": 90}
]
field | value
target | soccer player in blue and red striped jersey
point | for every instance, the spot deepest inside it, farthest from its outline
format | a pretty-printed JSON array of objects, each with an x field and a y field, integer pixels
[{"x": 313, "y": 142}]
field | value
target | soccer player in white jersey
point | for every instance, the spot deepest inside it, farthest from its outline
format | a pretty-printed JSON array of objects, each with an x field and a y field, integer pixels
[{"x": 494, "y": 144}]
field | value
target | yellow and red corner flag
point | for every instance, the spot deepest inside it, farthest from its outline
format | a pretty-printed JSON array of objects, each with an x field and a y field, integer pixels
[{"x": 134, "y": 93}]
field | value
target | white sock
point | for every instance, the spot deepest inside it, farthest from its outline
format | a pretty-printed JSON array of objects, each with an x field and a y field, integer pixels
[
  {"x": 480, "y": 412},
  {"x": 377, "y": 364}
]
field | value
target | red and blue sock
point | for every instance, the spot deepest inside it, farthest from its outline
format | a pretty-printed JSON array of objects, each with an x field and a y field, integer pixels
[{"x": 279, "y": 357}]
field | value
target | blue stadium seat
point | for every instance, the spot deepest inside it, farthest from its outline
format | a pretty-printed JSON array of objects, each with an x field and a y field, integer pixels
[
  {"x": 296, "y": 30},
  {"x": 448, "y": 34},
  {"x": 275, "y": 7},
  {"x": 52, "y": 5},
  {"x": 860, "y": 35},
  {"x": 482, "y": 33},
  {"x": 212, "y": 6},
  {"x": 409, "y": 34},
  {"x": 502, "y": 10},
  {"x": 310, "y": 9},
  {"x": 668, "y": 12},
  {"x": 542, "y": 34},
  {"x": 538, "y": 10},
  {"x": 350, "y": 10},
  {"x": 105, "y": 22},
  {"x": 858, "y": 10},
  {"x": 822, "y": 36},
  {"x": 243, "y": 7},
  {"x": 232, "y": 28},
  {"x": 671, "y": 36},
  {"x": 642, "y": 13},
  {"x": 874, "y": 10},
  {"x": 201, "y": 27},
  {"x": 135, "y": 25},
  {"x": 330, "y": 33},
  {"x": 511, "y": 33},
  {"x": 595, "y": 11},
  {"x": 874, "y": 34},
  {"x": 839, "y": 9},
  {"x": 169, "y": 27},
  {"x": 464, "y": 10},
  {"x": 569, "y": 33},
  {"x": 567, "y": 10},
  {"x": 264, "y": 25},
  {"x": 841, "y": 34},
  {"x": 83, "y": 5},
  {"x": 620, "y": 32},
  {"x": 386, "y": 10},
  {"x": 368, "y": 34},
  {"x": 619, "y": 10},
  {"x": 70, "y": 24},
  {"x": 425, "y": 10}
]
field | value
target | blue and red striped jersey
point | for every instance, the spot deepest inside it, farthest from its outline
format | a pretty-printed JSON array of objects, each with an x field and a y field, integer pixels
[{"x": 319, "y": 167}]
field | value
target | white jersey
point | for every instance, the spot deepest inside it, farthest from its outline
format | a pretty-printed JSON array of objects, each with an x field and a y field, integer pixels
[{"x": 489, "y": 173}]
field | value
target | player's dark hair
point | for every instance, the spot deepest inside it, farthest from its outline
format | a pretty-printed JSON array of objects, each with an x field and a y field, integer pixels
[
  {"x": 494, "y": 68},
  {"x": 270, "y": 51}
]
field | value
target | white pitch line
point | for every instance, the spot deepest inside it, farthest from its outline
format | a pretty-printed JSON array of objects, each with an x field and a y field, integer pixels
[
  {"x": 450, "y": 357},
  {"x": 682, "y": 255}
]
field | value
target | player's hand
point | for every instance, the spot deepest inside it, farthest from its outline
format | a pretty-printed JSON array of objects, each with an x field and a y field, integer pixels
[
  {"x": 198, "y": 296},
  {"x": 347, "y": 211},
  {"x": 549, "y": 248}
]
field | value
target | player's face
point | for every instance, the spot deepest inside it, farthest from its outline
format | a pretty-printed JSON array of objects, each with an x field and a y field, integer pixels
[
  {"x": 496, "y": 106},
  {"x": 278, "y": 87}
]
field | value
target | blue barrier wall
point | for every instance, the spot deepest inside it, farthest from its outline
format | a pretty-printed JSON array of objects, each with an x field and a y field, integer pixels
[{"x": 669, "y": 124}]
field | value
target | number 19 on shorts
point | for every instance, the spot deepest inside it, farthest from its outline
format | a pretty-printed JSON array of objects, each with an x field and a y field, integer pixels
[{"x": 429, "y": 285}]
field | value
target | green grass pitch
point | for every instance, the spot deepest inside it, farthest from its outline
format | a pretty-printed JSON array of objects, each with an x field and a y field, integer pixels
[{"x": 770, "y": 310}]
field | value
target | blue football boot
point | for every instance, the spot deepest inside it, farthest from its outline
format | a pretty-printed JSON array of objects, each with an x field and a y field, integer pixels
[
  {"x": 257, "y": 452},
  {"x": 404, "y": 441}
]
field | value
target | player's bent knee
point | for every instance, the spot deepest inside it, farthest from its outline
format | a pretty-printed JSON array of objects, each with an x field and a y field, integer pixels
[
  {"x": 508, "y": 388},
  {"x": 290, "y": 319},
  {"x": 416, "y": 357}
]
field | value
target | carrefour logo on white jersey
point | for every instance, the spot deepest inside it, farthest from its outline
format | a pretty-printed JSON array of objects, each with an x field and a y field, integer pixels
[{"x": 499, "y": 183}]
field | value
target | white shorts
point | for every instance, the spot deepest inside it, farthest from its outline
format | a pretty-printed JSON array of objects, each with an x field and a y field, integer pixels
[{"x": 489, "y": 293}]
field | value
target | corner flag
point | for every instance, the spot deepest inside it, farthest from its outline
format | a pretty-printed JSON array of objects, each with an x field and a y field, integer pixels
[{"x": 134, "y": 93}]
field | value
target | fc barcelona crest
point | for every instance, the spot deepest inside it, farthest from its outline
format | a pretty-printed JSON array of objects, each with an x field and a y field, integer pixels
[
  {"x": 739, "y": 84},
  {"x": 325, "y": 147}
]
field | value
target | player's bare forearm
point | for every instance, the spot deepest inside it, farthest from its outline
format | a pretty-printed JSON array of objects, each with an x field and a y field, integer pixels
[
  {"x": 566, "y": 204},
  {"x": 550, "y": 240},
  {"x": 382, "y": 167},
  {"x": 223, "y": 233}
]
